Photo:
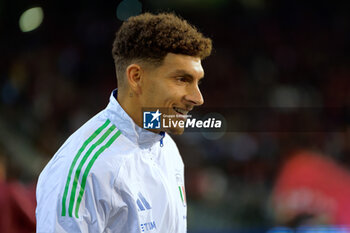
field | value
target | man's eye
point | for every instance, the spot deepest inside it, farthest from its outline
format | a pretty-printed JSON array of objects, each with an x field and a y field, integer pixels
[
  {"x": 200, "y": 82},
  {"x": 181, "y": 79}
]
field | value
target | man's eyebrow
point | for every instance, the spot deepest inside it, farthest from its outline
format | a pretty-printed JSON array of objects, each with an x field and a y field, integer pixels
[{"x": 183, "y": 73}]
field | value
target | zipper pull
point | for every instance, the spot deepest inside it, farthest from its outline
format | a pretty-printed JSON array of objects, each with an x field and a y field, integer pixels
[{"x": 162, "y": 133}]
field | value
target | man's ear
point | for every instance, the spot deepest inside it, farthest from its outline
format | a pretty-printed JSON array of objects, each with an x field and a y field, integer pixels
[{"x": 134, "y": 74}]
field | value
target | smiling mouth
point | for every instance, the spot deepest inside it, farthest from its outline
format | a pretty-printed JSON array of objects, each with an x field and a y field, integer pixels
[{"x": 180, "y": 111}]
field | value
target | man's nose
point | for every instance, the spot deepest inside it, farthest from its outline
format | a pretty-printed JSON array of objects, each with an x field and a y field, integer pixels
[{"x": 195, "y": 96}]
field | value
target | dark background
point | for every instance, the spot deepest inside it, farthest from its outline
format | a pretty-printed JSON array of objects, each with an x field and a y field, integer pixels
[{"x": 267, "y": 53}]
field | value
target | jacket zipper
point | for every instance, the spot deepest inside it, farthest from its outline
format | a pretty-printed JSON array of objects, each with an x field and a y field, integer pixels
[{"x": 162, "y": 133}]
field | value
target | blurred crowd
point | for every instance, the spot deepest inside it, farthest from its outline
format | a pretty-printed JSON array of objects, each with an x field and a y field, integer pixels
[{"x": 267, "y": 55}]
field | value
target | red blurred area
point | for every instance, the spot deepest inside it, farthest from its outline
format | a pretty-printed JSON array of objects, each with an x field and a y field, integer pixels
[
  {"x": 312, "y": 185},
  {"x": 17, "y": 204}
]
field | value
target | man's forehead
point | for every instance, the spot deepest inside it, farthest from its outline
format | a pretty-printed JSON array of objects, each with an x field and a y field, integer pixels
[
  {"x": 180, "y": 58},
  {"x": 178, "y": 63}
]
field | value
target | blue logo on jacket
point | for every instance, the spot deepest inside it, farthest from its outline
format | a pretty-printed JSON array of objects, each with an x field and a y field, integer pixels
[
  {"x": 151, "y": 120},
  {"x": 142, "y": 203},
  {"x": 148, "y": 226}
]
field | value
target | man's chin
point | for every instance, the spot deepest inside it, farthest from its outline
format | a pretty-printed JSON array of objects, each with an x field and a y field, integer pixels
[{"x": 177, "y": 130}]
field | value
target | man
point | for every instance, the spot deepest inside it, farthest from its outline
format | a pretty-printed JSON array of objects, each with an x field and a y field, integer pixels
[{"x": 112, "y": 175}]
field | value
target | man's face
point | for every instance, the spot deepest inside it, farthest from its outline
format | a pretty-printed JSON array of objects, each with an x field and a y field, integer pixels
[{"x": 173, "y": 87}]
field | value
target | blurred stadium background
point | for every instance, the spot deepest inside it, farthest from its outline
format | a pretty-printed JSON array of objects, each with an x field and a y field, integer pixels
[{"x": 56, "y": 71}]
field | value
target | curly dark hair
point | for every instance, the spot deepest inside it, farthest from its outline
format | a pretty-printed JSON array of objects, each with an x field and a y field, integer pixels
[{"x": 148, "y": 37}]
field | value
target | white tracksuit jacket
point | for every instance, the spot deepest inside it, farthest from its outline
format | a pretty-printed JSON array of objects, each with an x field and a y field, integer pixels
[{"x": 113, "y": 176}]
